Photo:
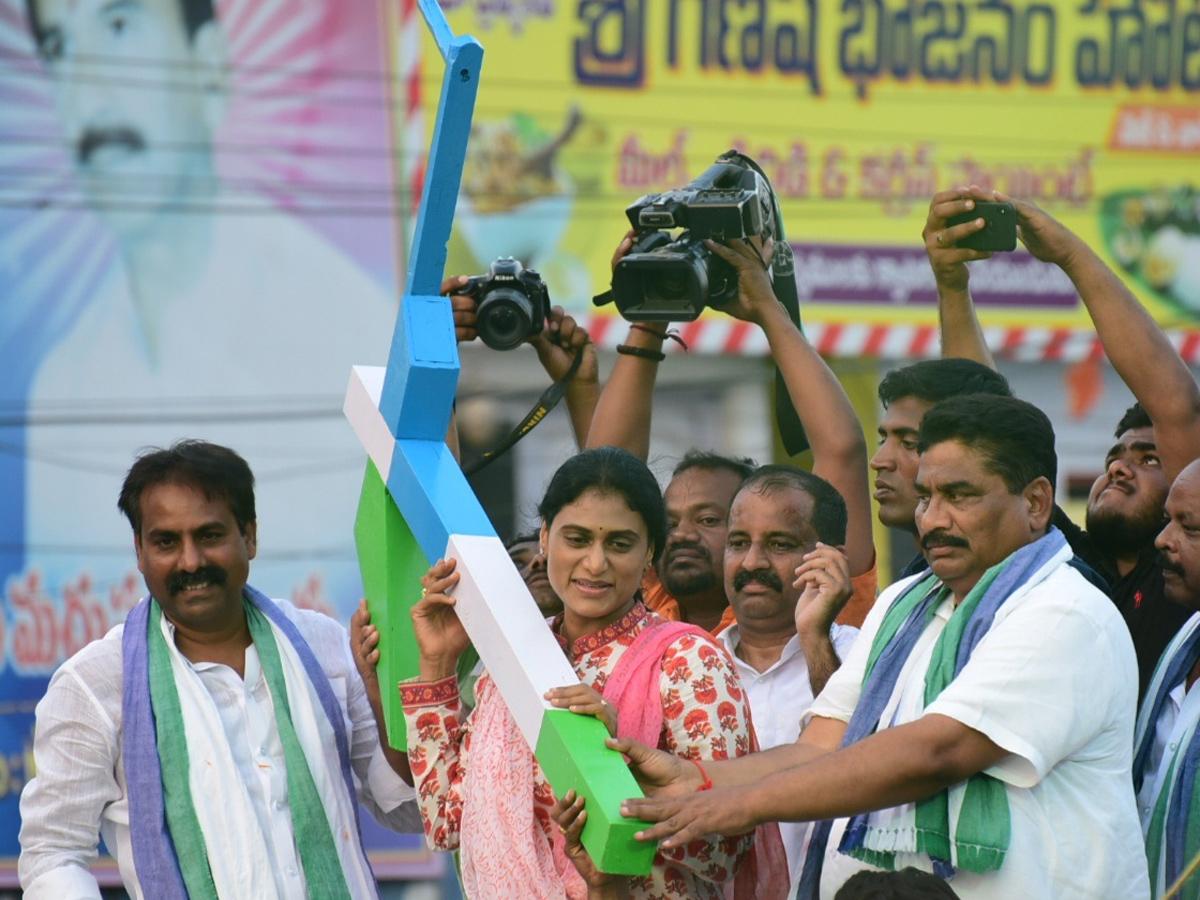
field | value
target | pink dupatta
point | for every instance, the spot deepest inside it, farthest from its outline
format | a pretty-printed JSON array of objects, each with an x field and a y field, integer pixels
[{"x": 505, "y": 853}]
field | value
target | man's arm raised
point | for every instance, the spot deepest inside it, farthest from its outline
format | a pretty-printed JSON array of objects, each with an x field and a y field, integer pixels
[
  {"x": 1136, "y": 346},
  {"x": 622, "y": 413},
  {"x": 836, "y": 436},
  {"x": 962, "y": 337}
]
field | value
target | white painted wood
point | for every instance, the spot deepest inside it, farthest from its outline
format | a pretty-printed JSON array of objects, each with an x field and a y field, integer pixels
[
  {"x": 507, "y": 628},
  {"x": 362, "y": 409}
]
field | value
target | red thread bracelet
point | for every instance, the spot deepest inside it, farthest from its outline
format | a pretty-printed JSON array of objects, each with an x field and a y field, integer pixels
[{"x": 707, "y": 786}]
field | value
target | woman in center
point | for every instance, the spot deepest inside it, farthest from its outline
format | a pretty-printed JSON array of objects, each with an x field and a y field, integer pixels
[{"x": 480, "y": 789}]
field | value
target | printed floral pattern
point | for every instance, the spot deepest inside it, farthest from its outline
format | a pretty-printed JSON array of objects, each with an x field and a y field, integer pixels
[{"x": 705, "y": 717}]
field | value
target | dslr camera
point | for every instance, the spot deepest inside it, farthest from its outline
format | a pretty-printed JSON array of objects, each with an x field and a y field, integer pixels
[
  {"x": 668, "y": 278},
  {"x": 511, "y": 303}
]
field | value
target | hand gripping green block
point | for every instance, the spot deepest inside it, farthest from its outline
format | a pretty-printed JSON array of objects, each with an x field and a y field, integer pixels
[
  {"x": 573, "y": 756},
  {"x": 392, "y": 565}
]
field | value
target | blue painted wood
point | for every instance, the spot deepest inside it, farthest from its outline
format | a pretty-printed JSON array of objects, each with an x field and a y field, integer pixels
[
  {"x": 422, "y": 370},
  {"x": 427, "y": 486},
  {"x": 434, "y": 497},
  {"x": 438, "y": 26},
  {"x": 405, "y": 387}
]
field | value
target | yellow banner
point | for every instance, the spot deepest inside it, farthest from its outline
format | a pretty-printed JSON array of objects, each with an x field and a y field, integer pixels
[{"x": 858, "y": 111}]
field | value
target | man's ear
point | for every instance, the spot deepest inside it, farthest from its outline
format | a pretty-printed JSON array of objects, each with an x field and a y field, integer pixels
[
  {"x": 1039, "y": 495},
  {"x": 210, "y": 53},
  {"x": 251, "y": 535},
  {"x": 137, "y": 549}
]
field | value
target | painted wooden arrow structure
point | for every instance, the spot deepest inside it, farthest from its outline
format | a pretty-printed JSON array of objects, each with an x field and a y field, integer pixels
[{"x": 416, "y": 507}]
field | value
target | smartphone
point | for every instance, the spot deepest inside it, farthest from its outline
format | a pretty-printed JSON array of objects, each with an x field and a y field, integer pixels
[{"x": 999, "y": 232}]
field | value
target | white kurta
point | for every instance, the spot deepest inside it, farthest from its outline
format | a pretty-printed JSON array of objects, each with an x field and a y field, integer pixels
[
  {"x": 1054, "y": 682},
  {"x": 79, "y": 793},
  {"x": 778, "y": 699}
]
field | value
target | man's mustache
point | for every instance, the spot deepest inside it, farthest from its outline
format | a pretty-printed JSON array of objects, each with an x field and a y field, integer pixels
[
  {"x": 93, "y": 139},
  {"x": 943, "y": 539},
  {"x": 678, "y": 546},
  {"x": 1168, "y": 566},
  {"x": 758, "y": 576},
  {"x": 205, "y": 575}
]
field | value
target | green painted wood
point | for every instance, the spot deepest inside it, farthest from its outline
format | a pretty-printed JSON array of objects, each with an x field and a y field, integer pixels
[
  {"x": 392, "y": 564},
  {"x": 572, "y": 754}
]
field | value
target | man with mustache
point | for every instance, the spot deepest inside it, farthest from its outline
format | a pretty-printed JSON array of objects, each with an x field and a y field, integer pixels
[
  {"x": 1156, "y": 437},
  {"x": 787, "y": 579},
  {"x": 953, "y": 737},
  {"x": 1165, "y": 744},
  {"x": 687, "y": 584},
  {"x": 219, "y": 741}
]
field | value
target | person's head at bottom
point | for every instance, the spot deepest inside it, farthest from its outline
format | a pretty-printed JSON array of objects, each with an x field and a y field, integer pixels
[
  {"x": 603, "y": 525},
  {"x": 907, "y": 884}
]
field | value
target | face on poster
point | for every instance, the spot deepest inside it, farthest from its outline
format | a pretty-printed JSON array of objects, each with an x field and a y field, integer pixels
[
  {"x": 198, "y": 238},
  {"x": 859, "y": 112}
]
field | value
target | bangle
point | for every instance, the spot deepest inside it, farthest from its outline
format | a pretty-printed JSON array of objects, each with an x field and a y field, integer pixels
[
  {"x": 652, "y": 355},
  {"x": 707, "y": 786}
]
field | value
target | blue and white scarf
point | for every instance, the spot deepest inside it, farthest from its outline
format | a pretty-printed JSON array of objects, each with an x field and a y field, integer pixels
[
  {"x": 1012, "y": 576},
  {"x": 1173, "y": 833},
  {"x": 314, "y": 708}
]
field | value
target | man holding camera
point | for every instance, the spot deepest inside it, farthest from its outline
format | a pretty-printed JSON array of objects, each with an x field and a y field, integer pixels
[
  {"x": 834, "y": 433},
  {"x": 1156, "y": 438}
]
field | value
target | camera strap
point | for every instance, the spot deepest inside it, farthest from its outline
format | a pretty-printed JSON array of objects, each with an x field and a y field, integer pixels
[
  {"x": 783, "y": 281},
  {"x": 546, "y": 402}
]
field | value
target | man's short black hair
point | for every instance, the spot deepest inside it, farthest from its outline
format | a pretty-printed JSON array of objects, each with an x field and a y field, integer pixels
[
  {"x": 195, "y": 14},
  {"x": 525, "y": 537},
  {"x": 934, "y": 380},
  {"x": 1015, "y": 437},
  {"x": 1135, "y": 417},
  {"x": 907, "y": 884},
  {"x": 706, "y": 459},
  {"x": 829, "y": 514},
  {"x": 216, "y": 471}
]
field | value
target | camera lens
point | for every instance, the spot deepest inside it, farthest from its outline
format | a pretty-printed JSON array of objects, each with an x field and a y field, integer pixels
[
  {"x": 504, "y": 319},
  {"x": 672, "y": 284}
]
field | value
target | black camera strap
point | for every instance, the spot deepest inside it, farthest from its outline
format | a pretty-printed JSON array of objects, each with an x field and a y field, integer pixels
[
  {"x": 783, "y": 280},
  {"x": 546, "y": 402}
]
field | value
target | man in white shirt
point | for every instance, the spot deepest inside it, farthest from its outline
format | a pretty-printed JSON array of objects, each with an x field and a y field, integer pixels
[
  {"x": 214, "y": 718},
  {"x": 787, "y": 579},
  {"x": 980, "y": 725}
]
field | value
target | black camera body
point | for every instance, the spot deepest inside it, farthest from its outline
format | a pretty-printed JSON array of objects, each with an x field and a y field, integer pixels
[
  {"x": 672, "y": 279},
  {"x": 512, "y": 303}
]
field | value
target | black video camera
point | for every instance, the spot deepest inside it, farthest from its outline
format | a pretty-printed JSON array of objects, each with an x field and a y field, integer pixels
[
  {"x": 671, "y": 279},
  {"x": 512, "y": 303}
]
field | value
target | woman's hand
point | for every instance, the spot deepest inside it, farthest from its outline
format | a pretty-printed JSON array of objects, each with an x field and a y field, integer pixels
[
  {"x": 440, "y": 635},
  {"x": 579, "y": 698},
  {"x": 570, "y": 816}
]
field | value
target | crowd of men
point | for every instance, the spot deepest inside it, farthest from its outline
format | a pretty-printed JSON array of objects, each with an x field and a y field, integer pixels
[{"x": 977, "y": 720}]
